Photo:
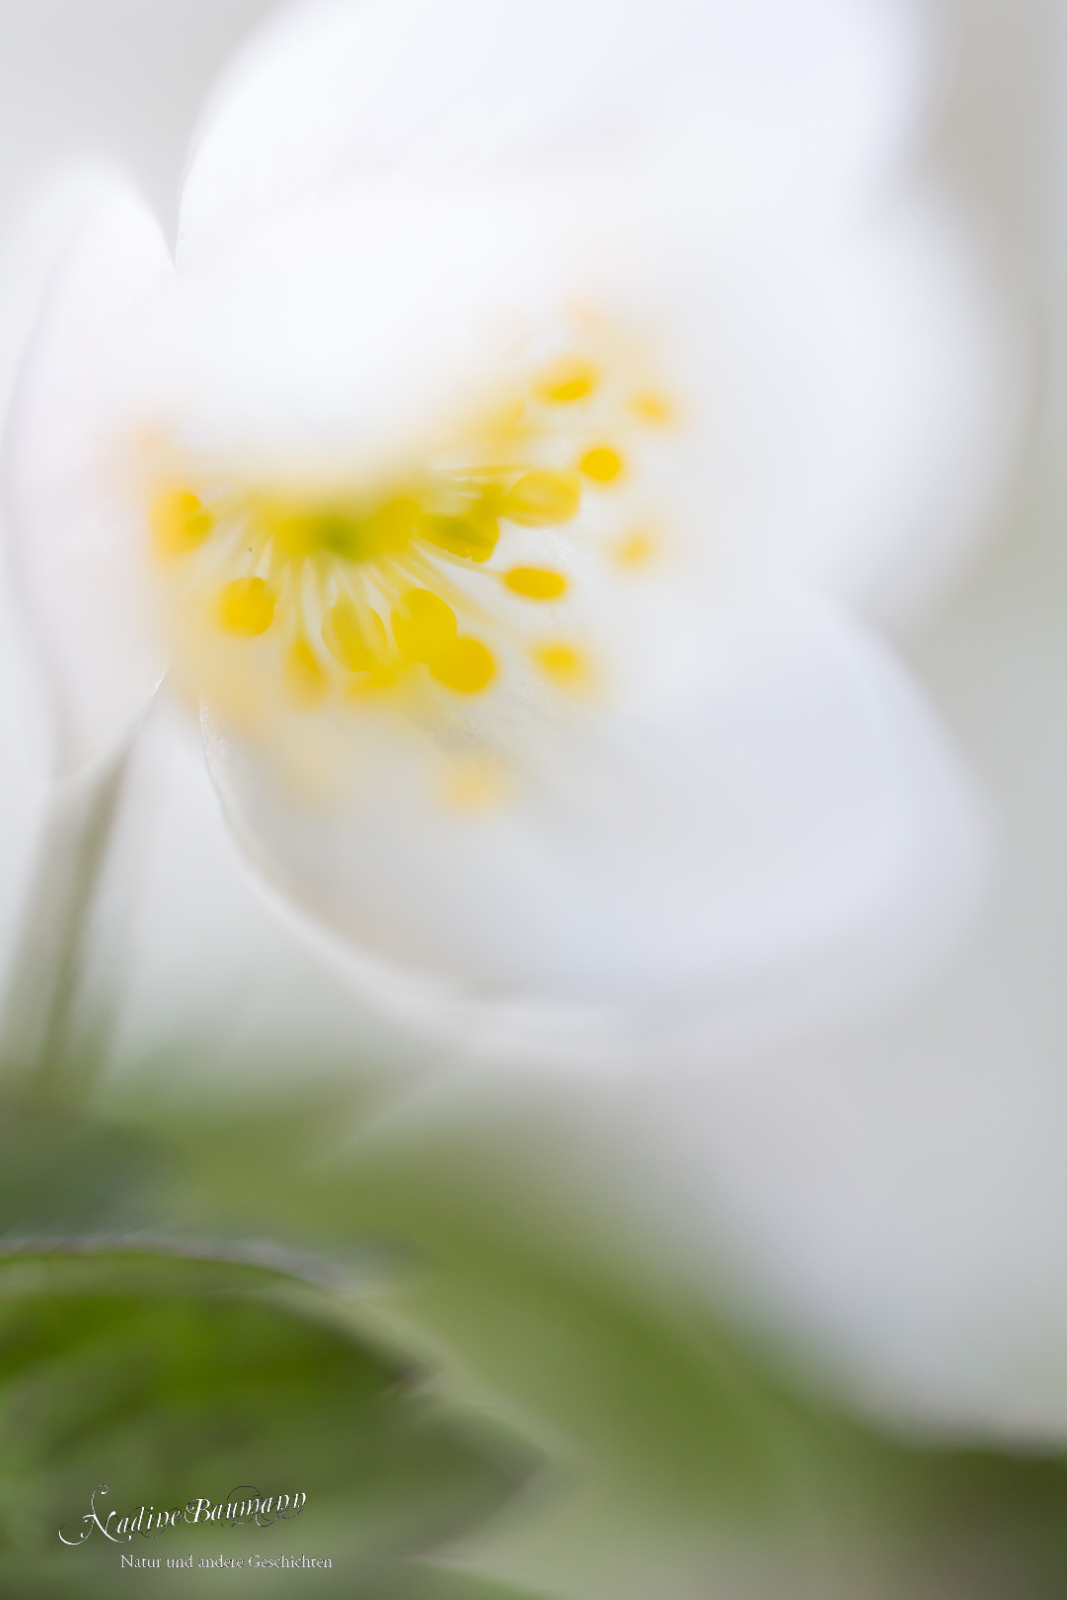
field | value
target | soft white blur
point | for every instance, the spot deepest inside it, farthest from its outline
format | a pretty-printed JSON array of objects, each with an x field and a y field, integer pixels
[
  {"x": 896, "y": 1196},
  {"x": 900, "y": 1193}
]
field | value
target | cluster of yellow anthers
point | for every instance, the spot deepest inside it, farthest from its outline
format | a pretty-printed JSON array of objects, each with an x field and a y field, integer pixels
[{"x": 356, "y": 589}]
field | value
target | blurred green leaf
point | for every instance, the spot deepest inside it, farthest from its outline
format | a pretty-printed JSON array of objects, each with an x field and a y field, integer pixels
[
  {"x": 64, "y": 1173},
  {"x": 172, "y": 1375},
  {"x": 685, "y": 1460},
  {"x": 692, "y": 1461},
  {"x": 415, "y": 1581}
]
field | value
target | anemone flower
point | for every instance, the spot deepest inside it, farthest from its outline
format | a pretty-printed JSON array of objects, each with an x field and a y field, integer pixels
[{"x": 545, "y": 398}]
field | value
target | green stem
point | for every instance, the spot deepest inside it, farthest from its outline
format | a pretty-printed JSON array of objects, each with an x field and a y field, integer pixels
[{"x": 38, "y": 1057}]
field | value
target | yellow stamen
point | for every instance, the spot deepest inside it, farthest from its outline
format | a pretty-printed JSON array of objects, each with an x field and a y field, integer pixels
[
  {"x": 565, "y": 381},
  {"x": 371, "y": 561},
  {"x": 541, "y": 498},
  {"x": 474, "y": 537},
  {"x": 395, "y": 524},
  {"x": 465, "y": 665},
  {"x": 634, "y": 550},
  {"x": 306, "y": 680},
  {"x": 424, "y": 627},
  {"x": 535, "y": 583},
  {"x": 652, "y": 407},
  {"x": 344, "y": 637},
  {"x": 246, "y": 606},
  {"x": 602, "y": 464},
  {"x": 179, "y": 522},
  {"x": 382, "y": 677},
  {"x": 563, "y": 663}
]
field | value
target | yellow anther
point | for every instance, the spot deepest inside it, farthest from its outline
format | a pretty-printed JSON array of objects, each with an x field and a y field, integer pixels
[
  {"x": 424, "y": 627},
  {"x": 246, "y": 606},
  {"x": 634, "y": 550},
  {"x": 542, "y": 498},
  {"x": 344, "y": 637},
  {"x": 651, "y": 407},
  {"x": 602, "y": 464},
  {"x": 566, "y": 380},
  {"x": 563, "y": 663},
  {"x": 383, "y": 677},
  {"x": 179, "y": 522},
  {"x": 536, "y": 583},
  {"x": 394, "y": 525},
  {"x": 326, "y": 552},
  {"x": 304, "y": 675},
  {"x": 466, "y": 666},
  {"x": 474, "y": 537}
]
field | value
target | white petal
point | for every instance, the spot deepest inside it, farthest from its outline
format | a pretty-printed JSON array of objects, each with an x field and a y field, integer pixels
[
  {"x": 797, "y": 837},
  {"x": 878, "y": 369},
  {"x": 823, "y": 93},
  {"x": 851, "y": 391},
  {"x": 74, "y": 539}
]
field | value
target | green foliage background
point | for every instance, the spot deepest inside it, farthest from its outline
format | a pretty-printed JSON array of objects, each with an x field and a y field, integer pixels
[{"x": 200, "y": 1294}]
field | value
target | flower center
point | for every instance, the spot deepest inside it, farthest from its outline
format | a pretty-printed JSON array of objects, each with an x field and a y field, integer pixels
[{"x": 417, "y": 583}]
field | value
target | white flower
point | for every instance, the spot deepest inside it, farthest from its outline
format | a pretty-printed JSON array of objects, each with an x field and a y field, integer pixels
[{"x": 539, "y": 387}]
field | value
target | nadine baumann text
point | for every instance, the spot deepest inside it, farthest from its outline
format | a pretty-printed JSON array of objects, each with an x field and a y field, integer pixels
[
  {"x": 243, "y": 1505},
  {"x": 227, "y": 1561}
]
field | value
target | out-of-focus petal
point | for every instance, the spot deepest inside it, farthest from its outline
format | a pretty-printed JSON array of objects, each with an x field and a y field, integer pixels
[
  {"x": 745, "y": 118},
  {"x": 869, "y": 363},
  {"x": 819, "y": 96},
  {"x": 895, "y": 409},
  {"x": 74, "y": 536},
  {"x": 795, "y": 837}
]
